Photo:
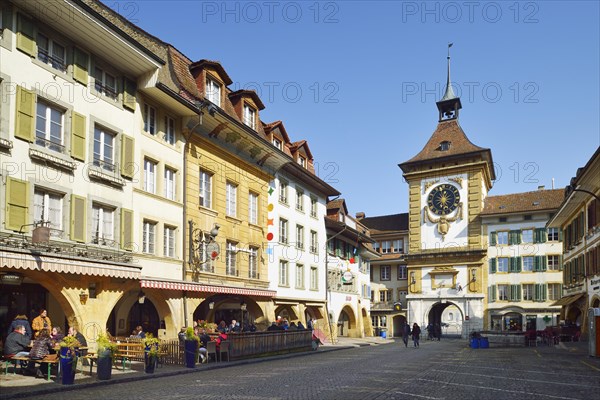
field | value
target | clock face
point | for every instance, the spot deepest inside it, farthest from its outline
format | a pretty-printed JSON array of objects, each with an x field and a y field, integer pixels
[{"x": 443, "y": 199}]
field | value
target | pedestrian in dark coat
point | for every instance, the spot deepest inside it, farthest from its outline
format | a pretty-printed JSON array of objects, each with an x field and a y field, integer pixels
[
  {"x": 405, "y": 334},
  {"x": 437, "y": 329},
  {"x": 416, "y": 332}
]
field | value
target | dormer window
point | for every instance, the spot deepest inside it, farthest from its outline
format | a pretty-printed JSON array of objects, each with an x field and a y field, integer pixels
[
  {"x": 445, "y": 145},
  {"x": 341, "y": 217},
  {"x": 213, "y": 91},
  {"x": 302, "y": 161},
  {"x": 277, "y": 143},
  {"x": 249, "y": 116}
]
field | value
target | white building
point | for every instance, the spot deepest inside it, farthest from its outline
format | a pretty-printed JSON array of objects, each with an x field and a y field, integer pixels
[{"x": 525, "y": 261}]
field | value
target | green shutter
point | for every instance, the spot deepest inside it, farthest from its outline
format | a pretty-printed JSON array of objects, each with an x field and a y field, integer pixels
[
  {"x": 519, "y": 262},
  {"x": 25, "y": 36},
  {"x": 25, "y": 118},
  {"x": 536, "y": 292},
  {"x": 7, "y": 17},
  {"x": 17, "y": 200},
  {"x": 560, "y": 235},
  {"x": 129, "y": 89},
  {"x": 493, "y": 238},
  {"x": 127, "y": 156},
  {"x": 492, "y": 294},
  {"x": 539, "y": 263},
  {"x": 492, "y": 265},
  {"x": 80, "y": 66},
  {"x": 512, "y": 264},
  {"x": 540, "y": 234},
  {"x": 544, "y": 263},
  {"x": 78, "y": 133},
  {"x": 544, "y": 296},
  {"x": 126, "y": 229},
  {"x": 78, "y": 218},
  {"x": 560, "y": 262}
]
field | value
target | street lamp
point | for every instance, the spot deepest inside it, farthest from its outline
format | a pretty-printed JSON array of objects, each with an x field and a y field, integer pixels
[{"x": 202, "y": 245}]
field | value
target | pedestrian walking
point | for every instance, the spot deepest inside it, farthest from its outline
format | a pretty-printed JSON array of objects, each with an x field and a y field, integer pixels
[
  {"x": 437, "y": 330},
  {"x": 430, "y": 333},
  {"x": 416, "y": 332},
  {"x": 405, "y": 333}
]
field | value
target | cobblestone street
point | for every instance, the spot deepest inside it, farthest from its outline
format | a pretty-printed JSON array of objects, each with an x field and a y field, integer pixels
[{"x": 437, "y": 370}]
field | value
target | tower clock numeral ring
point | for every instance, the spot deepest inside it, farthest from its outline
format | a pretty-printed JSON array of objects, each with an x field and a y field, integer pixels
[{"x": 443, "y": 199}]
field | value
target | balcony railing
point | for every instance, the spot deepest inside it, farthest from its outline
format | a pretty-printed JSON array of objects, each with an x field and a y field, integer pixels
[
  {"x": 55, "y": 62},
  {"x": 104, "y": 164},
  {"x": 50, "y": 144}
]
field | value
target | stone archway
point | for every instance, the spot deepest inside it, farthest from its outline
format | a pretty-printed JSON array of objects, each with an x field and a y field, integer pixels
[
  {"x": 346, "y": 323},
  {"x": 574, "y": 315},
  {"x": 445, "y": 318}
]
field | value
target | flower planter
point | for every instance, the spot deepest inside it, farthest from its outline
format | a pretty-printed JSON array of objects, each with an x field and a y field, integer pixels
[
  {"x": 150, "y": 360},
  {"x": 104, "y": 365},
  {"x": 68, "y": 365},
  {"x": 191, "y": 353}
]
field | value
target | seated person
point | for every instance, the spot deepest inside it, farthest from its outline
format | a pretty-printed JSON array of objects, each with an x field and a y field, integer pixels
[
  {"x": 204, "y": 339},
  {"x": 17, "y": 344},
  {"x": 42, "y": 346},
  {"x": 222, "y": 337},
  {"x": 56, "y": 334},
  {"x": 80, "y": 338}
]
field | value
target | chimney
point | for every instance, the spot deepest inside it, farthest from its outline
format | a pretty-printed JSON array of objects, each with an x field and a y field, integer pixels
[
  {"x": 360, "y": 215},
  {"x": 552, "y": 183},
  {"x": 541, "y": 187}
]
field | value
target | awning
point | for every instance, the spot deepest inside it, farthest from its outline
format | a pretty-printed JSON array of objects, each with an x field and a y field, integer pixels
[
  {"x": 34, "y": 262},
  {"x": 198, "y": 287},
  {"x": 565, "y": 301}
]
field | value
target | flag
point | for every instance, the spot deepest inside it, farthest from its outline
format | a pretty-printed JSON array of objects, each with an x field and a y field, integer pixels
[{"x": 450, "y": 45}]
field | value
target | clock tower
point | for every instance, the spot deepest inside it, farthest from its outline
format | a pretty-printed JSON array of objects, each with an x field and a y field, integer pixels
[{"x": 448, "y": 182}]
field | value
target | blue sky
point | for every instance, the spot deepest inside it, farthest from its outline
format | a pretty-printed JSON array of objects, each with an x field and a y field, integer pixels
[{"x": 359, "y": 80}]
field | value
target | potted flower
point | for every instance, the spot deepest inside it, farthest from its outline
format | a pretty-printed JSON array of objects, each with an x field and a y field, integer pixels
[
  {"x": 150, "y": 344},
  {"x": 192, "y": 343},
  {"x": 106, "y": 353},
  {"x": 69, "y": 347},
  {"x": 209, "y": 327}
]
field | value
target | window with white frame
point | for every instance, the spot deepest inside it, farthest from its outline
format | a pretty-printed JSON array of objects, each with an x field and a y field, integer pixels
[
  {"x": 105, "y": 83},
  {"x": 169, "y": 241},
  {"x": 502, "y": 264},
  {"x": 528, "y": 294},
  {"x": 231, "y": 200},
  {"x": 314, "y": 242},
  {"x": 386, "y": 247},
  {"x": 213, "y": 91},
  {"x": 52, "y": 53},
  {"x": 398, "y": 246},
  {"x": 502, "y": 237},
  {"x": 554, "y": 291},
  {"x": 553, "y": 262},
  {"x": 302, "y": 161},
  {"x": 553, "y": 234},
  {"x": 384, "y": 295},
  {"x": 503, "y": 292},
  {"x": 49, "y": 127},
  {"x": 300, "y": 237},
  {"x": 283, "y": 273},
  {"x": 104, "y": 149},
  {"x": 231, "y": 258},
  {"x": 169, "y": 130},
  {"x": 299, "y": 276},
  {"x": 169, "y": 184},
  {"x": 283, "y": 192},
  {"x": 150, "y": 119},
  {"x": 253, "y": 262},
  {"x": 205, "y": 189},
  {"x": 148, "y": 236},
  {"x": 249, "y": 116},
  {"x": 299, "y": 200},
  {"x": 47, "y": 209},
  {"x": 102, "y": 223},
  {"x": 277, "y": 143},
  {"x": 376, "y": 247},
  {"x": 150, "y": 175},
  {"x": 313, "y": 207},
  {"x": 385, "y": 272},
  {"x": 527, "y": 264},
  {"x": 314, "y": 278},
  {"x": 527, "y": 236},
  {"x": 402, "y": 272},
  {"x": 253, "y": 208},
  {"x": 283, "y": 231}
]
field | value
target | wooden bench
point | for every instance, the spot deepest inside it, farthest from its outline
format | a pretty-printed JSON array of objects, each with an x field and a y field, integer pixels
[
  {"x": 127, "y": 352},
  {"x": 8, "y": 361},
  {"x": 50, "y": 360}
]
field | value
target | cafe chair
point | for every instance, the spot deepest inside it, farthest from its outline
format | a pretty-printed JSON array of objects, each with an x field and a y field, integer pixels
[
  {"x": 211, "y": 348},
  {"x": 225, "y": 348}
]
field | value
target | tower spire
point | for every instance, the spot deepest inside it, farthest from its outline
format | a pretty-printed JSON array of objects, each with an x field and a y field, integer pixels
[
  {"x": 448, "y": 105},
  {"x": 449, "y": 94}
]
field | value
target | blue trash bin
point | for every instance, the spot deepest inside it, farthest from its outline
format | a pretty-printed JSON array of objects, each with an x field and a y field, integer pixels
[
  {"x": 474, "y": 343},
  {"x": 484, "y": 343},
  {"x": 383, "y": 334}
]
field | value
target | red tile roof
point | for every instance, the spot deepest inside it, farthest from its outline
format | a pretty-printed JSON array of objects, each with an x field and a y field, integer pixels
[
  {"x": 248, "y": 93},
  {"x": 539, "y": 200},
  {"x": 394, "y": 222},
  {"x": 214, "y": 65}
]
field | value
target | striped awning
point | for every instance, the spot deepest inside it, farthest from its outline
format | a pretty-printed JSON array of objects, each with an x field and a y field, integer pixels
[
  {"x": 35, "y": 262},
  {"x": 198, "y": 287}
]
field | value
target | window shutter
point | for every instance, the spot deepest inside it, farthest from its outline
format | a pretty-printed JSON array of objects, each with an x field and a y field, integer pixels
[
  {"x": 536, "y": 292},
  {"x": 78, "y": 130},
  {"x": 544, "y": 295},
  {"x": 493, "y": 238},
  {"x": 492, "y": 294},
  {"x": 518, "y": 292},
  {"x": 78, "y": 218},
  {"x": 7, "y": 17},
  {"x": 25, "y": 36},
  {"x": 540, "y": 235},
  {"x": 560, "y": 235},
  {"x": 518, "y": 263},
  {"x": 25, "y": 118},
  {"x": 80, "y": 66},
  {"x": 560, "y": 262},
  {"x": 127, "y": 161},
  {"x": 492, "y": 265},
  {"x": 126, "y": 229},
  {"x": 17, "y": 199},
  {"x": 129, "y": 89},
  {"x": 543, "y": 263},
  {"x": 512, "y": 264}
]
